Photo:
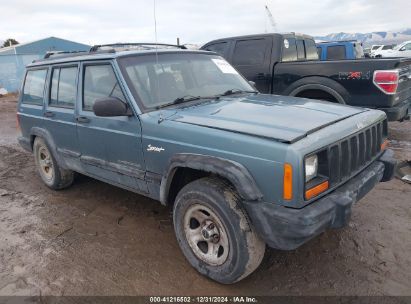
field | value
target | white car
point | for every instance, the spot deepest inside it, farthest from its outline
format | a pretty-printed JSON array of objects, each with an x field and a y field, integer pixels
[
  {"x": 401, "y": 50},
  {"x": 381, "y": 51}
]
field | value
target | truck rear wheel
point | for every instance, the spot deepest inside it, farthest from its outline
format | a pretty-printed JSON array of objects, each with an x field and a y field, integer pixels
[
  {"x": 50, "y": 172},
  {"x": 214, "y": 233}
]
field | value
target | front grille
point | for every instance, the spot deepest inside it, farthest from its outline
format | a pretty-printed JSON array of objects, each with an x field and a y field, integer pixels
[{"x": 350, "y": 155}]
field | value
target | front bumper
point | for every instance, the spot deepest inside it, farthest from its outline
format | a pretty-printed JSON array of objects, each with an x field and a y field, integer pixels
[
  {"x": 397, "y": 112},
  {"x": 287, "y": 228}
]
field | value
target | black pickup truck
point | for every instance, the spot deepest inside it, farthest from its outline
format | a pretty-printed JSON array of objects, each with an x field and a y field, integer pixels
[{"x": 288, "y": 64}]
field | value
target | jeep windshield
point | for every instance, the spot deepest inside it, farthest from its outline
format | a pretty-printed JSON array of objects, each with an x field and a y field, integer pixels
[{"x": 161, "y": 80}]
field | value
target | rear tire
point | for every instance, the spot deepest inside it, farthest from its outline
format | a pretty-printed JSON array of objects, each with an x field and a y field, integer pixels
[
  {"x": 214, "y": 232},
  {"x": 50, "y": 172}
]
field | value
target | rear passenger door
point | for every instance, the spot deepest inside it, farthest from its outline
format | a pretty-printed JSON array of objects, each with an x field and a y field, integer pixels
[
  {"x": 251, "y": 57},
  {"x": 59, "y": 113},
  {"x": 110, "y": 146}
]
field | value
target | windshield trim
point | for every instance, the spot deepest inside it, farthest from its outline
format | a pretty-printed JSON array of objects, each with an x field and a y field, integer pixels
[{"x": 144, "y": 109}]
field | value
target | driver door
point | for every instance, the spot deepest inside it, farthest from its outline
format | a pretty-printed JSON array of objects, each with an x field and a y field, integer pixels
[{"x": 111, "y": 147}]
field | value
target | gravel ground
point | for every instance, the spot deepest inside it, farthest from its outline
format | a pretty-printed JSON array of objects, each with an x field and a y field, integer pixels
[{"x": 95, "y": 239}]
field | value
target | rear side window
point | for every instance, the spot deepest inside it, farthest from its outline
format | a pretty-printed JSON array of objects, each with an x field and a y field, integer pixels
[
  {"x": 300, "y": 50},
  {"x": 219, "y": 48},
  {"x": 289, "y": 50},
  {"x": 63, "y": 87},
  {"x": 249, "y": 52},
  {"x": 387, "y": 47},
  {"x": 33, "y": 91},
  {"x": 100, "y": 82},
  {"x": 311, "y": 50},
  {"x": 336, "y": 52}
]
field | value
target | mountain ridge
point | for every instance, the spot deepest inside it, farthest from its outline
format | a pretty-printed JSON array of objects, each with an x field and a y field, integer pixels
[{"x": 378, "y": 37}]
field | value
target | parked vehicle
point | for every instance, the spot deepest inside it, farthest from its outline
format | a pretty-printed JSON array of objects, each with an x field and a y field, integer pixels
[
  {"x": 401, "y": 50},
  {"x": 287, "y": 64},
  {"x": 340, "y": 50},
  {"x": 367, "y": 52},
  {"x": 241, "y": 169},
  {"x": 381, "y": 50}
]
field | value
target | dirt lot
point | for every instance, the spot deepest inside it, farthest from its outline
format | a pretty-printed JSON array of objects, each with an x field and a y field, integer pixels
[{"x": 95, "y": 239}]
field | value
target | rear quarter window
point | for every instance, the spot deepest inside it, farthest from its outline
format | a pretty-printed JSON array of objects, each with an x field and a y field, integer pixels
[
  {"x": 289, "y": 50},
  {"x": 33, "y": 91},
  {"x": 311, "y": 50},
  {"x": 336, "y": 52}
]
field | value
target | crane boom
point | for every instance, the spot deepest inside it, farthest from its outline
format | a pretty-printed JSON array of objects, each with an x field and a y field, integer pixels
[{"x": 270, "y": 17}]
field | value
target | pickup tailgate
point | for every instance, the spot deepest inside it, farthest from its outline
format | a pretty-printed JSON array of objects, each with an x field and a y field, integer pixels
[{"x": 404, "y": 84}]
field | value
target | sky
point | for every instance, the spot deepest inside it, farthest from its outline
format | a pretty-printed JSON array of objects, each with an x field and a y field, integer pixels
[{"x": 193, "y": 21}]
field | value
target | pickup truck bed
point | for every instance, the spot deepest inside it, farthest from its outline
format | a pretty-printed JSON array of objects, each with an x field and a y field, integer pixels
[{"x": 287, "y": 64}]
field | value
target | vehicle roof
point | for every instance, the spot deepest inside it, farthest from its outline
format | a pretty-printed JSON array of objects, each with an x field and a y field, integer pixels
[
  {"x": 338, "y": 42},
  {"x": 89, "y": 56},
  {"x": 291, "y": 34}
]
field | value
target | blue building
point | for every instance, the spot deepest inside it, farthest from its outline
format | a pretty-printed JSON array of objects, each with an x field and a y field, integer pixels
[{"x": 13, "y": 59}]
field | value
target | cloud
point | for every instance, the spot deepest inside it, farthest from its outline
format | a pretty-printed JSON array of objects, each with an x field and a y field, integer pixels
[{"x": 92, "y": 21}]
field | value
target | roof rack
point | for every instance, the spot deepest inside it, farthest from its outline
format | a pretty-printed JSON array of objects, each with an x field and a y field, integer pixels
[
  {"x": 127, "y": 46},
  {"x": 62, "y": 53}
]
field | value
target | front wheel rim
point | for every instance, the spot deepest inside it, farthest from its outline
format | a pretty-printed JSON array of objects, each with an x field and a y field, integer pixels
[
  {"x": 45, "y": 164},
  {"x": 206, "y": 235}
]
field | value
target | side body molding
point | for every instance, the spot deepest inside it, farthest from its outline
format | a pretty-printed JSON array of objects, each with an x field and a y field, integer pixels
[{"x": 233, "y": 171}]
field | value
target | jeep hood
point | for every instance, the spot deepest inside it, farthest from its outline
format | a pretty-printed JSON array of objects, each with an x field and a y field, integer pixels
[{"x": 281, "y": 118}]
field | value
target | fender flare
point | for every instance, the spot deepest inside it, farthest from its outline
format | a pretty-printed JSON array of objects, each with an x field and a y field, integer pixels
[
  {"x": 320, "y": 83},
  {"x": 44, "y": 134},
  {"x": 233, "y": 171}
]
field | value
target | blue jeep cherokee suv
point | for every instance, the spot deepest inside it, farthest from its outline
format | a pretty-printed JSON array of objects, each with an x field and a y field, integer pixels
[{"x": 241, "y": 169}]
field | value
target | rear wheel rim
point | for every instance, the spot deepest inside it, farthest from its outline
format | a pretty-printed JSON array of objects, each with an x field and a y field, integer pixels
[
  {"x": 45, "y": 164},
  {"x": 206, "y": 234}
]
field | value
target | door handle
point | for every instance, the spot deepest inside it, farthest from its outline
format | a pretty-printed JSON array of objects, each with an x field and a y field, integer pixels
[
  {"x": 48, "y": 114},
  {"x": 260, "y": 76},
  {"x": 83, "y": 119}
]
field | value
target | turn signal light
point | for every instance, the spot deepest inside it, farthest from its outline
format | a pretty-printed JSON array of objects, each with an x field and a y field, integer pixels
[
  {"x": 387, "y": 80},
  {"x": 310, "y": 193},
  {"x": 384, "y": 145},
  {"x": 288, "y": 182}
]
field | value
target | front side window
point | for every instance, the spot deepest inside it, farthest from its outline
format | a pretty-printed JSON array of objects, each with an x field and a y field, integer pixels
[
  {"x": 249, "y": 52},
  {"x": 159, "y": 81},
  {"x": 407, "y": 47},
  {"x": 33, "y": 91},
  {"x": 63, "y": 87},
  {"x": 100, "y": 82}
]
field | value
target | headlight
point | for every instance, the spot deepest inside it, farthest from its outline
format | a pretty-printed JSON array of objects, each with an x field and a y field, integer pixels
[{"x": 311, "y": 167}]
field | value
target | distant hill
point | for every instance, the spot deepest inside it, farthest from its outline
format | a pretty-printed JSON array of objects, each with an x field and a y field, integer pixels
[{"x": 389, "y": 37}]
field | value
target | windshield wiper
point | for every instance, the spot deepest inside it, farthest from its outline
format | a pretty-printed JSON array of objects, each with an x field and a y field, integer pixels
[
  {"x": 236, "y": 91},
  {"x": 184, "y": 99}
]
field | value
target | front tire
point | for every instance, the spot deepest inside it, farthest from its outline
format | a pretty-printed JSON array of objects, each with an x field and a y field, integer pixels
[
  {"x": 214, "y": 232},
  {"x": 50, "y": 172}
]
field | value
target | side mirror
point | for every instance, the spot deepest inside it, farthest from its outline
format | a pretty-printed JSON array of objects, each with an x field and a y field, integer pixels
[
  {"x": 110, "y": 107},
  {"x": 252, "y": 83},
  {"x": 402, "y": 49}
]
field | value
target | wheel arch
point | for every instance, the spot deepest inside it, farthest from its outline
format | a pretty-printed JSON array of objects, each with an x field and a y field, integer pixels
[
  {"x": 232, "y": 171},
  {"x": 47, "y": 137},
  {"x": 329, "y": 86}
]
